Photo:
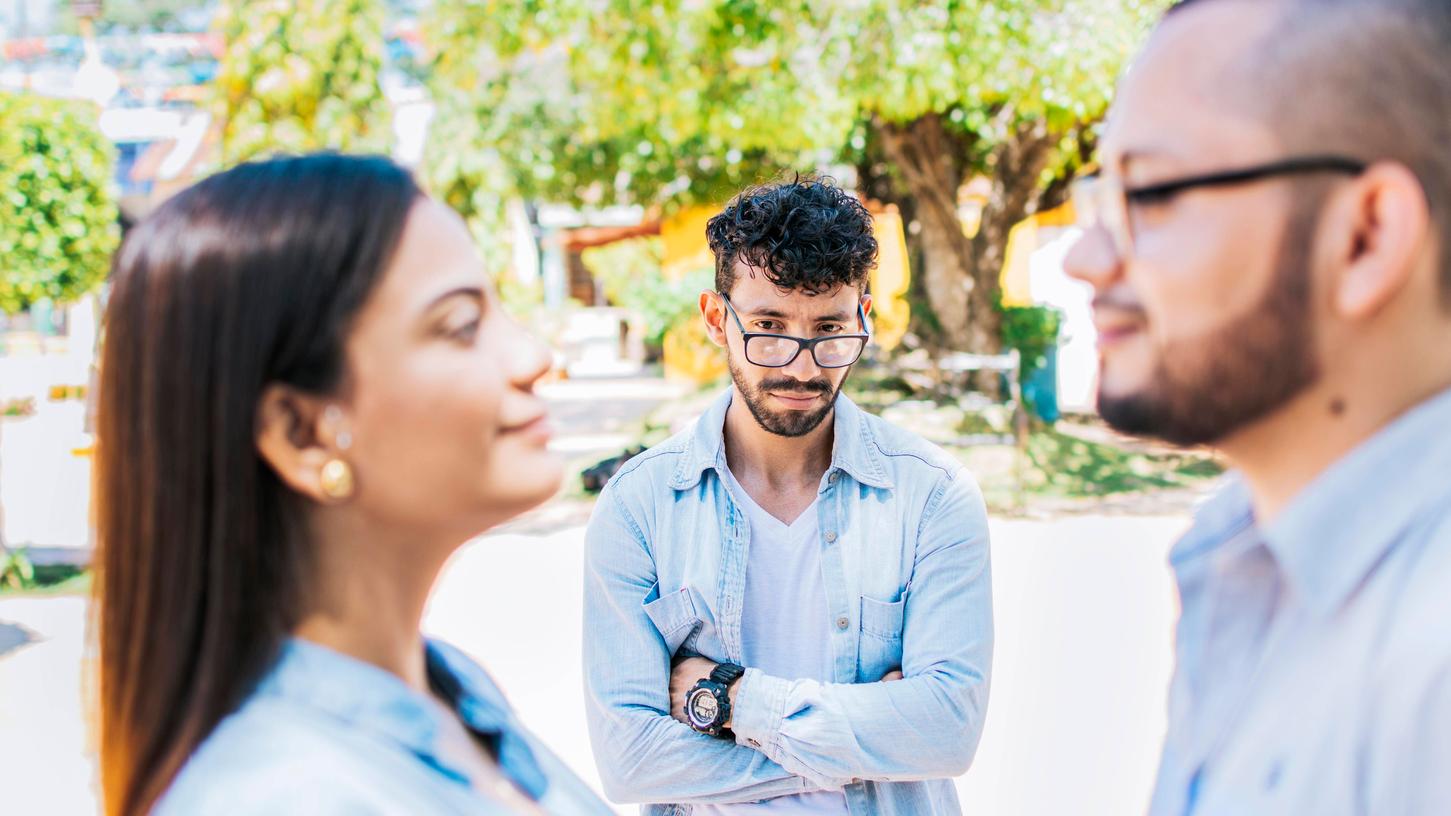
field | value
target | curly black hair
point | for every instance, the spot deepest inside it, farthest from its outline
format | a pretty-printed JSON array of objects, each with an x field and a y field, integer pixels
[{"x": 805, "y": 234}]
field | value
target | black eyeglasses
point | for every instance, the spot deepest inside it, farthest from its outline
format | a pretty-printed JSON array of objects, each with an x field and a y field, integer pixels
[
  {"x": 1100, "y": 200},
  {"x": 780, "y": 350}
]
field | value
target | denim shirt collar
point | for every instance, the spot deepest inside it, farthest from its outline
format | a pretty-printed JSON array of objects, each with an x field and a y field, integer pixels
[
  {"x": 1349, "y": 518},
  {"x": 853, "y": 451},
  {"x": 369, "y": 698}
]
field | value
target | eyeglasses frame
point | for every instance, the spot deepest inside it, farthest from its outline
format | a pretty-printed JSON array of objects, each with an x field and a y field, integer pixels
[
  {"x": 1122, "y": 232},
  {"x": 802, "y": 343}
]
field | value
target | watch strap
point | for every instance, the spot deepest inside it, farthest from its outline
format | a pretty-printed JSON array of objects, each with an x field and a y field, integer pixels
[{"x": 726, "y": 674}]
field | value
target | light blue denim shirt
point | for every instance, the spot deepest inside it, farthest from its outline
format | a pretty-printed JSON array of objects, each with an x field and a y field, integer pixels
[
  {"x": 325, "y": 734},
  {"x": 1314, "y": 653},
  {"x": 904, "y": 552}
]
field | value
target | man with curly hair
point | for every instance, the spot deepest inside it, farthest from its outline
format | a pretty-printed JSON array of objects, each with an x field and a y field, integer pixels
[{"x": 788, "y": 606}]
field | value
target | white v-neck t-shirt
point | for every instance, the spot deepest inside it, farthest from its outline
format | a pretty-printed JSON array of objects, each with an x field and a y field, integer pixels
[{"x": 785, "y": 627}]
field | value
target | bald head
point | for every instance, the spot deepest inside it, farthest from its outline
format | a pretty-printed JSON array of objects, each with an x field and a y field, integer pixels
[{"x": 1368, "y": 79}]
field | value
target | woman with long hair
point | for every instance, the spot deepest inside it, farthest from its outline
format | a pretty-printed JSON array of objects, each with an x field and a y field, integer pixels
[{"x": 310, "y": 398}]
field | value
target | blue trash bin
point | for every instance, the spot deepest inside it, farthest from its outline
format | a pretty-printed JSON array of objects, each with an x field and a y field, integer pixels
[{"x": 1040, "y": 388}]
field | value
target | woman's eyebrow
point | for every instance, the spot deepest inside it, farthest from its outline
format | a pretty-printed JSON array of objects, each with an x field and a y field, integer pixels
[{"x": 474, "y": 292}]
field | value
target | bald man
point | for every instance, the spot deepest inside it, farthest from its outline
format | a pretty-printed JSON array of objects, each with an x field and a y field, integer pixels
[{"x": 1270, "y": 247}]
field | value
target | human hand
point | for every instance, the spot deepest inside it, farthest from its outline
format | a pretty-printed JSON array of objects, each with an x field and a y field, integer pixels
[{"x": 683, "y": 677}]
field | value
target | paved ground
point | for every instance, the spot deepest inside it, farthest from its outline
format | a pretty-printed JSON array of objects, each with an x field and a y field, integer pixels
[
  {"x": 1084, "y": 615},
  {"x": 44, "y": 485}
]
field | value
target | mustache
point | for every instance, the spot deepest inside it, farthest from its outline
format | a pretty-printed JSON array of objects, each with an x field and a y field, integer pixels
[{"x": 808, "y": 387}]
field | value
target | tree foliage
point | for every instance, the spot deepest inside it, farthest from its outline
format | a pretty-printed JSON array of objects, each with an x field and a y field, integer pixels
[
  {"x": 147, "y": 15},
  {"x": 58, "y": 217},
  {"x": 666, "y": 102},
  {"x": 300, "y": 76}
]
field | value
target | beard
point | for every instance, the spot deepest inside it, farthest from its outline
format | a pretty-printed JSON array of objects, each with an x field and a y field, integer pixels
[
  {"x": 784, "y": 423},
  {"x": 1205, "y": 388}
]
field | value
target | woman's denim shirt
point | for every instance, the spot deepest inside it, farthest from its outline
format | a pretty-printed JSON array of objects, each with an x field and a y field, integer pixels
[{"x": 324, "y": 733}]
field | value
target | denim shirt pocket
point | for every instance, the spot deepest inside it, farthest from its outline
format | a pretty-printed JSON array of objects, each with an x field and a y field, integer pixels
[
  {"x": 879, "y": 649},
  {"x": 674, "y": 617}
]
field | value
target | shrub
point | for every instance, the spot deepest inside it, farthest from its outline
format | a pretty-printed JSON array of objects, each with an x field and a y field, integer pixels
[
  {"x": 58, "y": 216},
  {"x": 631, "y": 275},
  {"x": 1033, "y": 331}
]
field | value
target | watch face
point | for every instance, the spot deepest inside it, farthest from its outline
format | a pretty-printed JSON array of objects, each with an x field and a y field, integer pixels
[{"x": 702, "y": 708}]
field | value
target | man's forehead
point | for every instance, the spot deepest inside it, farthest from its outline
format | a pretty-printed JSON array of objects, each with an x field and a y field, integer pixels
[
  {"x": 757, "y": 295},
  {"x": 1187, "y": 95}
]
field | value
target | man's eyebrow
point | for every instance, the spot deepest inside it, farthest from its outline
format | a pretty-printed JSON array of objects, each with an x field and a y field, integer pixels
[
  {"x": 766, "y": 312},
  {"x": 834, "y": 317}
]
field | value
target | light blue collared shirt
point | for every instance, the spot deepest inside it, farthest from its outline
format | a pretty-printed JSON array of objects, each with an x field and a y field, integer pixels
[
  {"x": 326, "y": 734},
  {"x": 1314, "y": 654},
  {"x": 903, "y": 540}
]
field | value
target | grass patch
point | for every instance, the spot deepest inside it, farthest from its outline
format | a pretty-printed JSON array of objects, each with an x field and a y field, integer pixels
[
  {"x": 1066, "y": 465},
  {"x": 1072, "y": 466},
  {"x": 44, "y": 579},
  {"x": 1074, "y": 459}
]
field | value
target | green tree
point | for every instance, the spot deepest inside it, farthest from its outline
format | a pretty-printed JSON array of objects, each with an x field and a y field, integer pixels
[
  {"x": 668, "y": 102},
  {"x": 58, "y": 217},
  {"x": 300, "y": 76}
]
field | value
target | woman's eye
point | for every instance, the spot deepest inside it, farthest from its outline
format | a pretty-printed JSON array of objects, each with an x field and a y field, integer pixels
[
  {"x": 768, "y": 326},
  {"x": 830, "y": 328},
  {"x": 466, "y": 332}
]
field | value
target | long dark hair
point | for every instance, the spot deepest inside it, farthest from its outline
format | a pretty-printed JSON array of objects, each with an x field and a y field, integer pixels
[{"x": 251, "y": 277}]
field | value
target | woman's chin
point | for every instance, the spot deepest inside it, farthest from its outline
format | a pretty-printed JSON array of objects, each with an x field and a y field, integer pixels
[{"x": 526, "y": 485}]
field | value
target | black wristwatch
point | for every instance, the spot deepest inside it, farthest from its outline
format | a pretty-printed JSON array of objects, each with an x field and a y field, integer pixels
[{"x": 708, "y": 705}]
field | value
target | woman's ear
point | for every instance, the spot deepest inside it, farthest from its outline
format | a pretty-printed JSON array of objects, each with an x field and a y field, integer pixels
[{"x": 296, "y": 437}]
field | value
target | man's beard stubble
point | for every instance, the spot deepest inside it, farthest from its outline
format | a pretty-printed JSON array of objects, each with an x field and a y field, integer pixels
[
  {"x": 1205, "y": 388},
  {"x": 784, "y": 423}
]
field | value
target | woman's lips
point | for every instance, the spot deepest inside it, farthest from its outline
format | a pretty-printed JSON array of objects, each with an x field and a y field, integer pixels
[{"x": 539, "y": 428}]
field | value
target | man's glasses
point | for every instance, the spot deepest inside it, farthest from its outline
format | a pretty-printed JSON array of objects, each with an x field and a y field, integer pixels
[
  {"x": 1104, "y": 201},
  {"x": 780, "y": 350}
]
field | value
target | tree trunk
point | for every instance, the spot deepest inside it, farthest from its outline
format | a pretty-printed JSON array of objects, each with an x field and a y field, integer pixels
[
  {"x": 960, "y": 274},
  {"x": 877, "y": 181},
  {"x": 928, "y": 160}
]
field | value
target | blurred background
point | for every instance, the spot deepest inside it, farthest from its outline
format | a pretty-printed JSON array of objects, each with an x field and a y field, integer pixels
[{"x": 586, "y": 142}]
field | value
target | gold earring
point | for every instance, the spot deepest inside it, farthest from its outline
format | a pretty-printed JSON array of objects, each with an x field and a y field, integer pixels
[{"x": 337, "y": 480}]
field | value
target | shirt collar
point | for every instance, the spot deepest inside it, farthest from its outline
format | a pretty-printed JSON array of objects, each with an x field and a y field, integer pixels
[
  {"x": 1219, "y": 520},
  {"x": 1336, "y": 530},
  {"x": 369, "y": 698},
  {"x": 1343, "y": 523},
  {"x": 853, "y": 450}
]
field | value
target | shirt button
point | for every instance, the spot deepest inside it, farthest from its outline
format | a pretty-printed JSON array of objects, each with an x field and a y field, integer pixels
[
  {"x": 831, "y": 479},
  {"x": 842, "y": 623},
  {"x": 831, "y": 538}
]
